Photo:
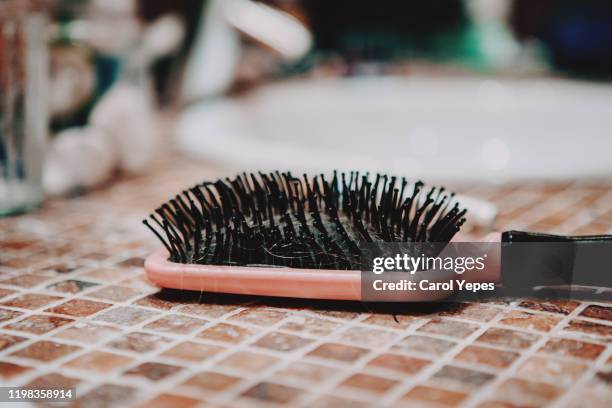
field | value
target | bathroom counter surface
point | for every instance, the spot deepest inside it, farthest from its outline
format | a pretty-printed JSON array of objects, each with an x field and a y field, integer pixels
[{"x": 77, "y": 311}]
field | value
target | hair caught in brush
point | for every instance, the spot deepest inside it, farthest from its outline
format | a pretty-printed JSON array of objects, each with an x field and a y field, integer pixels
[{"x": 276, "y": 219}]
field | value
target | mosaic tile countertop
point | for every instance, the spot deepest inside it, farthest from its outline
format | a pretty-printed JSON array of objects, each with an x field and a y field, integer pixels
[{"x": 77, "y": 311}]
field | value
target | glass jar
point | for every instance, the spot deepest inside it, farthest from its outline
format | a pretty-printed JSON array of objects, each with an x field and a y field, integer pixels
[{"x": 23, "y": 103}]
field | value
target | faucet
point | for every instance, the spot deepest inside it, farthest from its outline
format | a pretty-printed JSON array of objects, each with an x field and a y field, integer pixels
[{"x": 211, "y": 66}]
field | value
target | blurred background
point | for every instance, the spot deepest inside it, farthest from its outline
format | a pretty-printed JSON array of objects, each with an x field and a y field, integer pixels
[{"x": 469, "y": 90}]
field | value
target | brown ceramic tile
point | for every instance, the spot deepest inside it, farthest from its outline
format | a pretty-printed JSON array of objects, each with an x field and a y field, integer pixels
[
  {"x": 153, "y": 371},
  {"x": 227, "y": 333},
  {"x": 177, "y": 324},
  {"x": 86, "y": 333},
  {"x": 52, "y": 381},
  {"x": 337, "y": 314},
  {"x": 211, "y": 381},
  {"x": 525, "y": 392},
  {"x": 134, "y": 262},
  {"x": 573, "y": 348},
  {"x": 27, "y": 280},
  {"x": 591, "y": 328},
  {"x": 472, "y": 311},
  {"x": 259, "y": 316},
  {"x": 501, "y": 404},
  {"x": 487, "y": 356},
  {"x": 7, "y": 314},
  {"x": 388, "y": 320},
  {"x": 139, "y": 342},
  {"x": 79, "y": 307},
  {"x": 299, "y": 372},
  {"x": 171, "y": 401},
  {"x": 6, "y": 292},
  {"x": 156, "y": 302},
  {"x": 10, "y": 370},
  {"x": 247, "y": 361},
  {"x": 207, "y": 310},
  {"x": 367, "y": 337},
  {"x": 189, "y": 350},
  {"x": 99, "y": 361},
  {"x": 399, "y": 363},
  {"x": 598, "y": 312},
  {"x": 38, "y": 324},
  {"x": 126, "y": 315},
  {"x": 371, "y": 383},
  {"x": 115, "y": 293},
  {"x": 7, "y": 340},
  {"x": 45, "y": 351},
  {"x": 554, "y": 306},
  {"x": 449, "y": 328},
  {"x": 105, "y": 274},
  {"x": 31, "y": 301},
  {"x": 530, "y": 321},
  {"x": 282, "y": 342},
  {"x": 333, "y": 401},
  {"x": 339, "y": 352},
  {"x": 508, "y": 338},
  {"x": 424, "y": 344},
  {"x": 559, "y": 372},
  {"x": 435, "y": 396},
  {"x": 465, "y": 377},
  {"x": 71, "y": 286},
  {"x": 107, "y": 395},
  {"x": 311, "y": 325},
  {"x": 270, "y": 392}
]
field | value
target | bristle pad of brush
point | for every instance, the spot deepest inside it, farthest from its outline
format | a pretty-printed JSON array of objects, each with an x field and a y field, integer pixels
[{"x": 276, "y": 219}]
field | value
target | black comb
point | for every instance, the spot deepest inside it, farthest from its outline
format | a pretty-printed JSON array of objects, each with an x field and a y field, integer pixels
[{"x": 276, "y": 219}]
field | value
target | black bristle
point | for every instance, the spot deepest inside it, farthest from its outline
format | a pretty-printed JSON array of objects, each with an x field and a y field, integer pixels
[{"x": 278, "y": 219}]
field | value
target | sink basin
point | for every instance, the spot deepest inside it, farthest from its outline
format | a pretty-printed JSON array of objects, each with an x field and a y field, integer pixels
[{"x": 421, "y": 127}]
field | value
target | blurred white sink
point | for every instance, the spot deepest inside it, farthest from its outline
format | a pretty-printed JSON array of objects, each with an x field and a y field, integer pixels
[{"x": 421, "y": 127}]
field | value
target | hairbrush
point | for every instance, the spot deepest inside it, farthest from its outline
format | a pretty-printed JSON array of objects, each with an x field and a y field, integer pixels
[{"x": 275, "y": 234}]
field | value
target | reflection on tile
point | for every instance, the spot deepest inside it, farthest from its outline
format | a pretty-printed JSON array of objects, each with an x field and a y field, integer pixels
[
  {"x": 309, "y": 324},
  {"x": 114, "y": 293},
  {"x": 106, "y": 395},
  {"x": 52, "y": 381},
  {"x": 259, "y": 316}
]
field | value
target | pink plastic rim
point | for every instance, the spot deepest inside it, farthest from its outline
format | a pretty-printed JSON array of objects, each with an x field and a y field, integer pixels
[{"x": 260, "y": 281}]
